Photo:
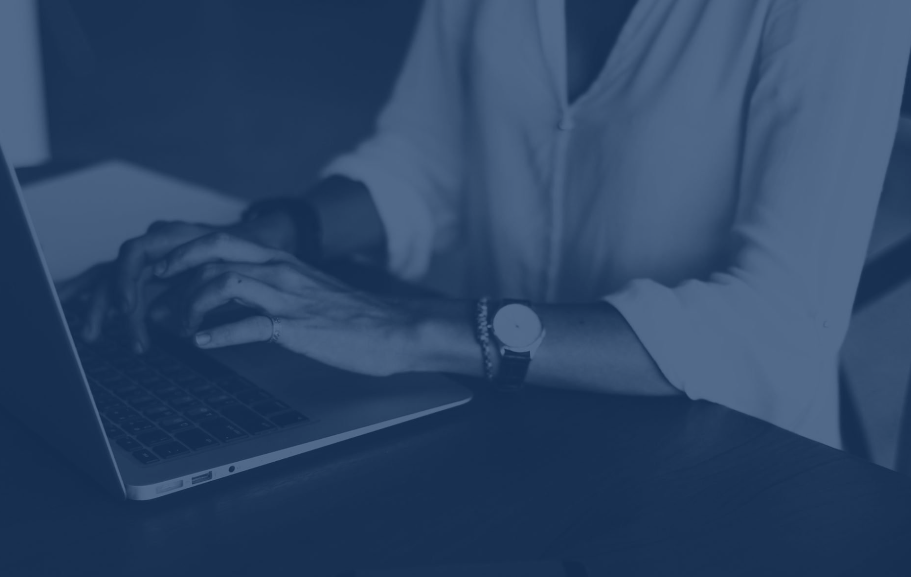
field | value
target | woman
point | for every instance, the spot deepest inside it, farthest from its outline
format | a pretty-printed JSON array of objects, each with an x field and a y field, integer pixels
[{"x": 682, "y": 190}]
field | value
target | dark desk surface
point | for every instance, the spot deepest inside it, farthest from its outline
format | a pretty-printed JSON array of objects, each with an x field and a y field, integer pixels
[{"x": 629, "y": 486}]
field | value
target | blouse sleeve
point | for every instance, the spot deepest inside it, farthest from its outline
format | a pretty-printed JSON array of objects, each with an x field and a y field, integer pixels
[
  {"x": 761, "y": 335},
  {"x": 411, "y": 163}
]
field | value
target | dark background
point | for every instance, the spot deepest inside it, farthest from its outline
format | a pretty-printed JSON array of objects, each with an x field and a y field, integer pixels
[{"x": 248, "y": 97}]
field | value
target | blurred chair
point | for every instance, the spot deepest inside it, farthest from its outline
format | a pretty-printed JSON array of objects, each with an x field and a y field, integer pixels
[{"x": 885, "y": 273}]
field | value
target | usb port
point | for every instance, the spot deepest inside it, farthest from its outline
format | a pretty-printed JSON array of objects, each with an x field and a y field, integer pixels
[{"x": 201, "y": 478}]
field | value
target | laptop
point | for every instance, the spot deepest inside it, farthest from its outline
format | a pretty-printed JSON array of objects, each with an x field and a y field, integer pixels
[{"x": 178, "y": 417}]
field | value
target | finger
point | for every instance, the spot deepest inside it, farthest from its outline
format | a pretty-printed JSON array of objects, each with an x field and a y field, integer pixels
[
  {"x": 97, "y": 309},
  {"x": 136, "y": 319},
  {"x": 236, "y": 287},
  {"x": 137, "y": 253},
  {"x": 163, "y": 313},
  {"x": 250, "y": 330},
  {"x": 68, "y": 289},
  {"x": 216, "y": 247}
]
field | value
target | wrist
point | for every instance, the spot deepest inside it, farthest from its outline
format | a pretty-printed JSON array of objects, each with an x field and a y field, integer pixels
[
  {"x": 275, "y": 229},
  {"x": 291, "y": 224},
  {"x": 442, "y": 338}
]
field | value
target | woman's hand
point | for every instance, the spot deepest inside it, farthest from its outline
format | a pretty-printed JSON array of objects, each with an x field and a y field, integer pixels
[
  {"x": 127, "y": 285},
  {"x": 316, "y": 315}
]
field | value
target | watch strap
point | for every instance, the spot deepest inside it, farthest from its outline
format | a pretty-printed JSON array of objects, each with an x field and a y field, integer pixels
[
  {"x": 512, "y": 371},
  {"x": 306, "y": 221}
]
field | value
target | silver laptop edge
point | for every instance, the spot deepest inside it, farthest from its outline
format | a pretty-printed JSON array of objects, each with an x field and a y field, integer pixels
[{"x": 38, "y": 358}]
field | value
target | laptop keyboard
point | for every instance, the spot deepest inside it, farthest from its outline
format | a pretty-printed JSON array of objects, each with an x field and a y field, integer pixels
[{"x": 157, "y": 406}]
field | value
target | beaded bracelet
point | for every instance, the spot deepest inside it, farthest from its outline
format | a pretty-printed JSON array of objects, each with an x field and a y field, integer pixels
[{"x": 483, "y": 336}]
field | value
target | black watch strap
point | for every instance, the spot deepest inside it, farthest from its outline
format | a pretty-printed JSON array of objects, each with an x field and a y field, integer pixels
[
  {"x": 513, "y": 365},
  {"x": 306, "y": 221},
  {"x": 513, "y": 368}
]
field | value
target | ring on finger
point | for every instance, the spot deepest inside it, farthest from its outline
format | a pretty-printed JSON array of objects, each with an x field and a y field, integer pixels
[{"x": 276, "y": 329}]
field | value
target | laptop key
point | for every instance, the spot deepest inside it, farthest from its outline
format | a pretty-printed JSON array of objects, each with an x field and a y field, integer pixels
[
  {"x": 164, "y": 363},
  {"x": 247, "y": 419},
  {"x": 182, "y": 402},
  {"x": 100, "y": 394},
  {"x": 195, "y": 439},
  {"x": 118, "y": 416},
  {"x": 146, "y": 376},
  {"x": 199, "y": 413},
  {"x": 144, "y": 456},
  {"x": 129, "y": 443},
  {"x": 120, "y": 382},
  {"x": 105, "y": 401},
  {"x": 169, "y": 450},
  {"x": 233, "y": 385},
  {"x": 251, "y": 396},
  {"x": 221, "y": 400},
  {"x": 157, "y": 356},
  {"x": 131, "y": 392},
  {"x": 222, "y": 430},
  {"x": 177, "y": 373},
  {"x": 174, "y": 424},
  {"x": 288, "y": 419},
  {"x": 138, "y": 426},
  {"x": 167, "y": 391},
  {"x": 126, "y": 364},
  {"x": 270, "y": 407},
  {"x": 176, "y": 395},
  {"x": 155, "y": 382},
  {"x": 109, "y": 405},
  {"x": 136, "y": 371},
  {"x": 111, "y": 430},
  {"x": 159, "y": 412},
  {"x": 202, "y": 389},
  {"x": 153, "y": 437},
  {"x": 184, "y": 376},
  {"x": 142, "y": 402},
  {"x": 192, "y": 382}
]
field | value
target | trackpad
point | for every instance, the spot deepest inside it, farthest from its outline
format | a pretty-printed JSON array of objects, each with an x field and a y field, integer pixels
[{"x": 320, "y": 391}]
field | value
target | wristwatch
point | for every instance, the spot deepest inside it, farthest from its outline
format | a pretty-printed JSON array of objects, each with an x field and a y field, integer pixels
[{"x": 518, "y": 333}]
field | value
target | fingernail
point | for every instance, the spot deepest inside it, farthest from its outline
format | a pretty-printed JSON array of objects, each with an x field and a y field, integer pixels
[
  {"x": 161, "y": 268},
  {"x": 138, "y": 348},
  {"x": 203, "y": 339}
]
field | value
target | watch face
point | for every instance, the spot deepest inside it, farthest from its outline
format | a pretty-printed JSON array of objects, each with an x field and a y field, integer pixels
[{"x": 516, "y": 326}]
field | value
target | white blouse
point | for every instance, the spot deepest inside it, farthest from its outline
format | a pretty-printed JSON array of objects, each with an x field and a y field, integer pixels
[{"x": 717, "y": 183}]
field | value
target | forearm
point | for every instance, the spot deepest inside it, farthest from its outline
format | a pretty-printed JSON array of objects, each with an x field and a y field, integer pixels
[
  {"x": 338, "y": 219},
  {"x": 588, "y": 347}
]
